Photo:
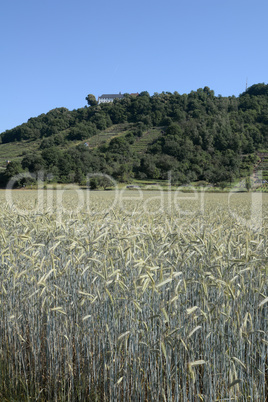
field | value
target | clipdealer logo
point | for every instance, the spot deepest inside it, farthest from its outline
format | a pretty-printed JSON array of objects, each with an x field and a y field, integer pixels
[{"x": 168, "y": 200}]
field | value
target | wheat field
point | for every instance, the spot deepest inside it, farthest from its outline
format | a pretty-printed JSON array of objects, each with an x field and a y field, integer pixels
[{"x": 133, "y": 297}]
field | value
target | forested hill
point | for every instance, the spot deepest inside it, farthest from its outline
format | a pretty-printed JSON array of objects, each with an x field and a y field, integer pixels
[{"x": 197, "y": 136}]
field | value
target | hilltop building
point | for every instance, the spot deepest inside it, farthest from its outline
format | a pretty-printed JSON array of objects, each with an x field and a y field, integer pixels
[{"x": 110, "y": 97}]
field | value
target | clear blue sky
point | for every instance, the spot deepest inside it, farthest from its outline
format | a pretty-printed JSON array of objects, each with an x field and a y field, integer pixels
[{"x": 55, "y": 52}]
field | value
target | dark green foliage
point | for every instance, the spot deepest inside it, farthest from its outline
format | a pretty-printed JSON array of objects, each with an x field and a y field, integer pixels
[
  {"x": 14, "y": 176},
  {"x": 33, "y": 162},
  {"x": 119, "y": 146},
  {"x": 57, "y": 139},
  {"x": 204, "y": 137},
  {"x": 91, "y": 100},
  {"x": 12, "y": 169},
  {"x": 256, "y": 90},
  {"x": 81, "y": 131}
]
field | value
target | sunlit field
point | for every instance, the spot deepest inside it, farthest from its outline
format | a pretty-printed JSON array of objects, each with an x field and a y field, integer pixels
[{"x": 128, "y": 295}]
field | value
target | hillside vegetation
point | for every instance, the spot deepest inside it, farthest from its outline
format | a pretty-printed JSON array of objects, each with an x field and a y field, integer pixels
[{"x": 198, "y": 136}]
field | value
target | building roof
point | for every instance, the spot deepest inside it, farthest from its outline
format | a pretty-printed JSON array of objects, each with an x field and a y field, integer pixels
[{"x": 112, "y": 96}]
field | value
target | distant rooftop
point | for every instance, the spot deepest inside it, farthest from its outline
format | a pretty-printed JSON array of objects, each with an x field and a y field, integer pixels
[{"x": 112, "y": 96}]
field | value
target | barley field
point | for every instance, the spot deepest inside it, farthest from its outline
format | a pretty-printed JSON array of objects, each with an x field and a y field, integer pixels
[{"x": 108, "y": 296}]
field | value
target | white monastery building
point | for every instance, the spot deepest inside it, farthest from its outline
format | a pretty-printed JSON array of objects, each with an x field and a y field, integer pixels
[{"x": 110, "y": 97}]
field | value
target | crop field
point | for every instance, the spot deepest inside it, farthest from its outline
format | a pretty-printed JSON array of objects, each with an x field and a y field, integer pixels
[{"x": 123, "y": 296}]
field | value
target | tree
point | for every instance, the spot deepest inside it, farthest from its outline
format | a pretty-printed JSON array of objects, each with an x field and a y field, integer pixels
[
  {"x": 119, "y": 146},
  {"x": 144, "y": 93},
  {"x": 12, "y": 169},
  {"x": 174, "y": 129},
  {"x": 248, "y": 183},
  {"x": 51, "y": 156},
  {"x": 149, "y": 168},
  {"x": 33, "y": 162},
  {"x": 12, "y": 172},
  {"x": 91, "y": 100}
]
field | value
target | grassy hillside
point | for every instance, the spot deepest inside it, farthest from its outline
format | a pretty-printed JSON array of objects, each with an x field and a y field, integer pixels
[
  {"x": 15, "y": 151},
  {"x": 141, "y": 144}
]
